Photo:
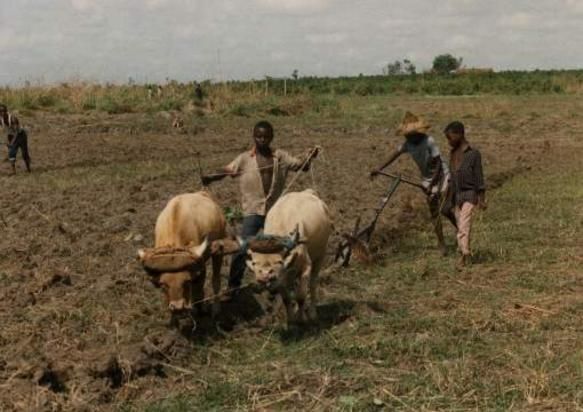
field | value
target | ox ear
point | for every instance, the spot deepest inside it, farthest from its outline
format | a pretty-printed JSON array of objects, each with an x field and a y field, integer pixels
[
  {"x": 249, "y": 263},
  {"x": 155, "y": 279},
  {"x": 200, "y": 250},
  {"x": 141, "y": 255}
]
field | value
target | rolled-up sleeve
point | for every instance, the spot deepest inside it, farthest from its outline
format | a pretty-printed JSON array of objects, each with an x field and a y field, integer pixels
[
  {"x": 433, "y": 148},
  {"x": 234, "y": 168}
]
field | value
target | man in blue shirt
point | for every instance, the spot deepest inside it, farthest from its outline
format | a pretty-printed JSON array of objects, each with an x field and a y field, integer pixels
[{"x": 432, "y": 165}]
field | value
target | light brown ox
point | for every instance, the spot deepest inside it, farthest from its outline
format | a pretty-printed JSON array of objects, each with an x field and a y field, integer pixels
[
  {"x": 188, "y": 224},
  {"x": 302, "y": 222}
]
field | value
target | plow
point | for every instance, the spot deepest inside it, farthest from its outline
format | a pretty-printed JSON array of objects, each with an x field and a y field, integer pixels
[{"x": 356, "y": 244}]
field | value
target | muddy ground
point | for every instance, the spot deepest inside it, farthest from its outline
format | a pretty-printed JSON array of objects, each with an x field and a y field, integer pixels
[{"x": 83, "y": 329}]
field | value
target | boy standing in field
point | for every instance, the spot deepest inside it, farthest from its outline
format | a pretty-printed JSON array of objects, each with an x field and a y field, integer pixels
[
  {"x": 468, "y": 190},
  {"x": 17, "y": 139},
  {"x": 434, "y": 170},
  {"x": 262, "y": 173}
]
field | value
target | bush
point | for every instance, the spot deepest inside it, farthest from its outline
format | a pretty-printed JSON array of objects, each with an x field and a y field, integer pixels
[
  {"x": 47, "y": 100},
  {"x": 89, "y": 103},
  {"x": 109, "y": 105}
]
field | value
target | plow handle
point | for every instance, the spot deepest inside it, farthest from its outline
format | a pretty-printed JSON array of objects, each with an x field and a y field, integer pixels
[{"x": 404, "y": 180}]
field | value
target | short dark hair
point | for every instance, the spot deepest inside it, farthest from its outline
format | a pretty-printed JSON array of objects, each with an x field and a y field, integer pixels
[
  {"x": 263, "y": 124},
  {"x": 455, "y": 127}
]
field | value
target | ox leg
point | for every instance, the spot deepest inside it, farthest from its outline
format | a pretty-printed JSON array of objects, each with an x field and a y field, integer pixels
[
  {"x": 217, "y": 262},
  {"x": 198, "y": 290},
  {"x": 289, "y": 307},
  {"x": 302, "y": 291},
  {"x": 314, "y": 280}
]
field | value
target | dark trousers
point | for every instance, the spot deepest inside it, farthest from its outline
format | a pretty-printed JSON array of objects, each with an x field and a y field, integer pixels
[
  {"x": 252, "y": 224},
  {"x": 19, "y": 142}
]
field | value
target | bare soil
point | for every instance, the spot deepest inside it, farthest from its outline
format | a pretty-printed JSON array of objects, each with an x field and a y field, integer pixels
[{"x": 83, "y": 329}]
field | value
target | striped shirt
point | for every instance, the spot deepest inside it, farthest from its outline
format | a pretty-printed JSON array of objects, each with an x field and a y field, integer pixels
[{"x": 467, "y": 177}]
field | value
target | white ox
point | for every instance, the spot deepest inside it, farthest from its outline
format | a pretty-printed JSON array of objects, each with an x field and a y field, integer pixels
[
  {"x": 301, "y": 223},
  {"x": 177, "y": 264}
]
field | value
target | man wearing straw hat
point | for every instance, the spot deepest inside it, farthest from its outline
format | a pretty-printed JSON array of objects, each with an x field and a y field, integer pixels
[
  {"x": 434, "y": 170},
  {"x": 262, "y": 173}
]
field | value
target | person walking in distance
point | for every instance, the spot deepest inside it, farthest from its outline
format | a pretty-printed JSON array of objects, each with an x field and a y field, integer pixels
[{"x": 17, "y": 138}]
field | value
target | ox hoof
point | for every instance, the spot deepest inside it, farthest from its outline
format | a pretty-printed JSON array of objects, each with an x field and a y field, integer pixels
[
  {"x": 293, "y": 326},
  {"x": 215, "y": 310}
]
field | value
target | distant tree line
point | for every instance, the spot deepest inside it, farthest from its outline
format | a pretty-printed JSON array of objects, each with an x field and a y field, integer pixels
[
  {"x": 248, "y": 97},
  {"x": 400, "y": 68},
  {"x": 442, "y": 64}
]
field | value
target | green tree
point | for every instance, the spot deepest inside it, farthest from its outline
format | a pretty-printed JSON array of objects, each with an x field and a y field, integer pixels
[
  {"x": 409, "y": 67},
  {"x": 393, "y": 69},
  {"x": 446, "y": 63},
  {"x": 399, "y": 67}
]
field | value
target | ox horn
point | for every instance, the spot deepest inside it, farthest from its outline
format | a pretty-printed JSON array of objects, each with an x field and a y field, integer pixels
[
  {"x": 199, "y": 251},
  {"x": 227, "y": 246},
  {"x": 141, "y": 254}
]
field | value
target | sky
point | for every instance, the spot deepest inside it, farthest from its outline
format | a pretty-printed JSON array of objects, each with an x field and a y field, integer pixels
[{"x": 51, "y": 41}]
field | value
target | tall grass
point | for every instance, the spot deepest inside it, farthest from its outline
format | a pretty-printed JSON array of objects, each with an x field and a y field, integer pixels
[{"x": 244, "y": 98}]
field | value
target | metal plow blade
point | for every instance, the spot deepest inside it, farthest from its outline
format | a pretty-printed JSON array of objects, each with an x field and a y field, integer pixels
[{"x": 356, "y": 244}]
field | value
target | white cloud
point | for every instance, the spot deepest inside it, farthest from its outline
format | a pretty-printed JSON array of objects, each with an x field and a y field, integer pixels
[
  {"x": 575, "y": 5},
  {"x": 154, "y": 4},
  {"x": 83, "y": 5},
  {"x": 295, "y": 6},
  {"x": 326, "y": 38},
  {"x": 280, "y": 56},
  {"x": 461, "y": 41},
  {"x": 520, "y": 20},
  {"x": 195, "y": 39}
]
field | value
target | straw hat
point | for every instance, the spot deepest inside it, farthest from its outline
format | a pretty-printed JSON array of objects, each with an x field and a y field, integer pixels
[{"x": 412, "y": 124}]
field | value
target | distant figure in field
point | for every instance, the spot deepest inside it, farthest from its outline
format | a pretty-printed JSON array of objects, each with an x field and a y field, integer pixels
[
  {"x": 198, "y": 93},
  {"x": 16, "y": 136},
  {"x": 177, "y": 122},
  {"x": 434, "y": 169},
  {"x": 262, "y": 173},
  {"x": 468, "y": 189}
]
